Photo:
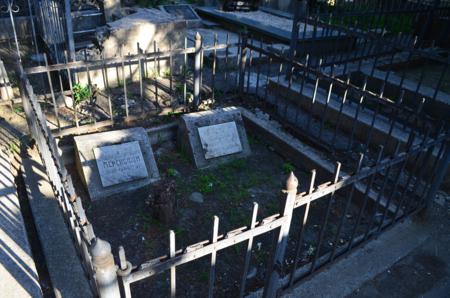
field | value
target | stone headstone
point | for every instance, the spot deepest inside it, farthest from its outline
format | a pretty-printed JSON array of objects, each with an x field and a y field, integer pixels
[
  {"x": 115, "y": 161},
  {"x": 184, "y": 12},
  {"x": 213, "y": 137}
]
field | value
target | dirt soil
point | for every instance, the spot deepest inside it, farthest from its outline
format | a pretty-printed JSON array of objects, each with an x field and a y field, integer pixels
[{"x": 228, "y": 191}]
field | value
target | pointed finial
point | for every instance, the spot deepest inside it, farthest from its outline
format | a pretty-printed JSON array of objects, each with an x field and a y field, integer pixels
[{"x": 292, "y": 182}]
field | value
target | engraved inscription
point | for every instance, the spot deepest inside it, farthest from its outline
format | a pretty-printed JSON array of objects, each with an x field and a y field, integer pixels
[
  {"x": 120, "y": 163},
  {"x": 220, "y": 139}
]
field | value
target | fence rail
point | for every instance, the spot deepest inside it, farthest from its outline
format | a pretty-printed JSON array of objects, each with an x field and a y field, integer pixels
[
  {"x": 282, "y": 222},
  {"x": 144, "y": 68},
  {"x": 80, "y": 229},
  {"x": 387, "y": 181}
]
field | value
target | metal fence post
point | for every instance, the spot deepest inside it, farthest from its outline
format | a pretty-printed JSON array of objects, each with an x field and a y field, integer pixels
[
  {"x": 197, "y": 70},
  {"x": 300, "y": 10},
  {"x": 273, "y": 274},
  {"x": 440, "y": 175},
  {"x": 242, "y": 63},
  {"x": 105, "y": 270}
]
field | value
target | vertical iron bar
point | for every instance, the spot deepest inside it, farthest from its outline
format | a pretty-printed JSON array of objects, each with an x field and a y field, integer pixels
[
  {"x": 248, "y": 253},
  {"x": 212, "y": 273},
  {"x": 299, "y": 245}
]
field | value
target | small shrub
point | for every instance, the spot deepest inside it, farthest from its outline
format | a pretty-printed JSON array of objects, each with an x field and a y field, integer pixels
[{"x": 81, "y": 94}]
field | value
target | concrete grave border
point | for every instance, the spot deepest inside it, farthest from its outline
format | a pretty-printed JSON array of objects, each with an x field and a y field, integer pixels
[
  {"x": 191, "y": 23},
  {"x": 87, "y": 165}
]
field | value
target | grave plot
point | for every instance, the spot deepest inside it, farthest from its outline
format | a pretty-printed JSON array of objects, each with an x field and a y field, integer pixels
[
  {"x": 186, "y": 199},
  {"x": 275, "y": 27},
  {"x": 205, "y": 197}
]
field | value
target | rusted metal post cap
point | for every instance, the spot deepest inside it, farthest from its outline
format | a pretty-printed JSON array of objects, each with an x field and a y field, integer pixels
[
  {"x": 198, "y": 36},
  {"x": 101, "y": 254},
  {"x": 291, "y": 183},
  {"x": 105, "y": 269}
]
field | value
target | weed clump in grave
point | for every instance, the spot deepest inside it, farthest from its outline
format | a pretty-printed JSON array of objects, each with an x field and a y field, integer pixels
[{"x": 288, "y": 167}]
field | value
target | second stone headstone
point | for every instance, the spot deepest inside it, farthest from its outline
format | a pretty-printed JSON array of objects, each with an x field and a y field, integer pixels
[{"x": 213, "y": 137}]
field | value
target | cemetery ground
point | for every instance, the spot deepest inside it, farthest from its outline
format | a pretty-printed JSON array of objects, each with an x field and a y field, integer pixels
[
  {"x": 425, "y": 269},
  {"x": 227, "y": 191}
]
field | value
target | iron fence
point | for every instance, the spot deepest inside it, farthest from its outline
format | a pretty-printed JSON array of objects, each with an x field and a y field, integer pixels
[
  {"x": 279, "y": 275},
  {"x": 80, "y": 229},
  {"x": 174, "y": 79},
  {"x": 389, "y": 135}
]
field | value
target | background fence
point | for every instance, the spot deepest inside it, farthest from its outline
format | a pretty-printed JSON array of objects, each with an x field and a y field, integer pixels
[{"x": 388, "y": 136}]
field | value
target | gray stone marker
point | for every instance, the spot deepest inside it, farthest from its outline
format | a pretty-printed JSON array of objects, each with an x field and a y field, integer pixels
[
  {"x": 213, "y": 137},
  {"x": 185, "y": 12},
  {"x": 115, "y": 161}
]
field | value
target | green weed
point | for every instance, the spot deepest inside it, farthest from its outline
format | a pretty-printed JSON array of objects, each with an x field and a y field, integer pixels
[
  {"x": 18, "y": 109},
  {"x": 81, "y": 94},
  {"x": 171, "y": 172},
  {"x": 287, "y": 167}
]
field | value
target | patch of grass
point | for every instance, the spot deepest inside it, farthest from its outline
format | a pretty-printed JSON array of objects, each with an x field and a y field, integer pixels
[
  {"x": 180, "y": 232},
  {"x": 287, "y": 167},
  {"x": 272, "y": 207},
  {"x": 237, "y": 164},
  {"x": 167, "y": 73},
  {"x": 253, "y": 140},
  {"x": 204, "y": 183},
  {"x": 203, "y": 276},
  {"x": 13, "y": 148},
  {"x": 171, "y": 172},
  {"x": 149, "y": 221},
  {"x": 238, "y": 217},
  {"x": 18, "y": 109}
]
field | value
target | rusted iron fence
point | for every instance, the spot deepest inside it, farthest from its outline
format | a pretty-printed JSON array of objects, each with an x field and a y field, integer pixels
[
  {"x": 387, "y": 133},
  {"x": 80, "y": 229},
  {"x": 174, "y": 80},
  {"x": 279, "y": 275}
]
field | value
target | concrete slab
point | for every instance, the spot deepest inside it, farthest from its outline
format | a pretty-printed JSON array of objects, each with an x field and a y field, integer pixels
[
  {"x": 18, "y": 274},
  {"x": 64, "y": 266},
  {"x": 348, "y": 274},
  {"x": 424, "y": 272},
  {"x": 279, "y": 28}
]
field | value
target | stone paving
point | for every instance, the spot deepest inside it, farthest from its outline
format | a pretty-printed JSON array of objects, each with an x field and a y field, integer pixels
[{"x": 18, "y": 274}]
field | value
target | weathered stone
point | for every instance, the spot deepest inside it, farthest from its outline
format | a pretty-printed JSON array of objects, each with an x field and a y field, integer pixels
[
  {"x": 120, "y": 163},
  {"x": 184, "y": 12},
  {"x": 111, "y": 7},
  {"x": 213, "y": 137},
  {"x": 103, "y": 161},
  {"x": 163, "y": 201},
  {"x": 144, "y": 26},
  {"x": 196, "y": 197}
]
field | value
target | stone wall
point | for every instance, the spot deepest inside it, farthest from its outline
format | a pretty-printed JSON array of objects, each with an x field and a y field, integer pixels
[{"x": 143, "y": 27}]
